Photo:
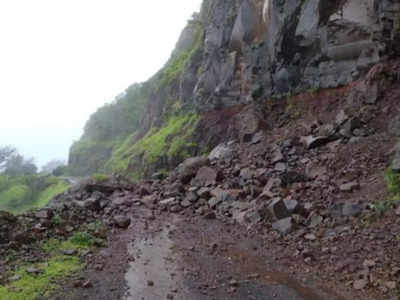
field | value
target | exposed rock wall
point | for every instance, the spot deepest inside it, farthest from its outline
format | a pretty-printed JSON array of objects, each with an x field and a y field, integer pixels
[
  {"x": 276, "y": 47},
  {"x": 239, "y": 54}
]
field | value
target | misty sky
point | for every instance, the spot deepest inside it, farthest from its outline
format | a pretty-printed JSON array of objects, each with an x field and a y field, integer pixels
[{"x": 62, "y": 59}]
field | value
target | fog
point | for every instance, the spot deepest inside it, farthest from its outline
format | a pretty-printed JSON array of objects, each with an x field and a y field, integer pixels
[{"x": 60, "y": 60}]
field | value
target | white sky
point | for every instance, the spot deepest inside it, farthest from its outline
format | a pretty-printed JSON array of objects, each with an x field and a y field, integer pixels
[{"x": 62, "y": 59}]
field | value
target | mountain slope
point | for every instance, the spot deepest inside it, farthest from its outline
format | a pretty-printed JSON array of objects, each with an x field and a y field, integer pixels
[{"x": 230, "y": 62}]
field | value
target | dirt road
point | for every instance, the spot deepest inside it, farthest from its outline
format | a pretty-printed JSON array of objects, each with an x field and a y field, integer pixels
[{"x": 177, "y": 257}]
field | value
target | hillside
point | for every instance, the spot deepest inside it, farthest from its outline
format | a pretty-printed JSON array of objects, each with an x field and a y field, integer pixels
[
  {"x": 261, "y": 162},
  {"x": 230, "y": 61}
]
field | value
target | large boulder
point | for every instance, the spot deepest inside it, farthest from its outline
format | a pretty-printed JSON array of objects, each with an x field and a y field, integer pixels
[
  {"x": 205, "y": 176},
  {"x": 220, "y": 152},
  {"x": 188, "y": 169}
]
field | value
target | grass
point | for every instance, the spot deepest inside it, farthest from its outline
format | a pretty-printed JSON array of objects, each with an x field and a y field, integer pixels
[
  {"x": 171, "y": 140},
  {"x": 57, "y": 266},
  {"x": 100, "y": 178},
  {"x": 176, "y": 64},
  {"x": 21, "y": 193},
  {"x": 393, "y": 185},
  {"x": 31, "y": 287},
  {"x": 10, "y": 199},
  {"x": 392, "y": 181},
  {"x": 50, "y": 192}
]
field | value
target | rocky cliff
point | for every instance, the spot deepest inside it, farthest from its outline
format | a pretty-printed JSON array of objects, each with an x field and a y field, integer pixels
[{"x": 233, "y": 61}]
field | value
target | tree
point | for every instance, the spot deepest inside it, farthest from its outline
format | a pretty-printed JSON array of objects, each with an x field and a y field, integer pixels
[
  {"x": 52, "y": 165},
  {"x": 6, "y": 153},
  {"x": 18, "y": 165}
]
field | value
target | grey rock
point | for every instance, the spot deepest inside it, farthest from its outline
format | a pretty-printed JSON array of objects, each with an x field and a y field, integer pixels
[
  {"x": 214, "y": 201},
  {"x": 191, "y": 197},
  {"x": 351, "y": 210},
  {"x": 348, "y": 127},
  {"x": 283, "y": 226},
  {"x": 220, "y": 152},
  {"x": 312, "y": 142},
  {"x": 186, "y": 203},
  {"x": 204, "y": 176},
  {"x": 188, "y": 169},
  {"x": 271, "y": 189},
  {"x": 291, "y": 205},
  {"x": 349, "y": 187},
  {"x": 210, "y": 215},
  {"x": 345, "y": 209},
  {"x": 280, "y": 167},
  {"x": 204, "y": 192},
  {"x": 341, "y": 117},
  {"x": 278, "y": 209},
  {"x": 175, "y": 209},
  {"x": 167, "y": 201},
  {"x": 44, "y": 214},
  {"x": 394, "y": 126},
  {"x": 122, "y": 221},
  {"x": 315, "y": 221},
  {"x": 246, "y": 173},
  {"x": 277, "y": 156},
  {"x": 69, "y": 252}
]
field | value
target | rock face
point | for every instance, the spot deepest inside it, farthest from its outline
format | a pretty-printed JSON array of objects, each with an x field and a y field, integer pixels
[
  {"x": 236, "y": 54},
  {"x": 278, "y": 46}
]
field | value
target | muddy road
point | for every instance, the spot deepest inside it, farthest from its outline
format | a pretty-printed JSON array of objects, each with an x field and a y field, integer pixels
[{"x": 187, "y": 258}]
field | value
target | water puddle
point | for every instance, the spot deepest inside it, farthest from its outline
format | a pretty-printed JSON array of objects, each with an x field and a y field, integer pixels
[{"x": 154, "y": 274}]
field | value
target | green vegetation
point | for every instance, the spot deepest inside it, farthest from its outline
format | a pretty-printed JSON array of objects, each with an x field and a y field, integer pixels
[
  {"x": 393, "y": 181},
  {"x": 100, "y": 178},
  {"x": 171, "y": 141},
  {"x": 393, "y": 184},
  {"x": 119, "y": 138},
  {"x": 33, "y": 286},
  {"x": 107, "y": 128},
  {"x": 176, "y": 64},
  {"x": 21, "y": 193}
]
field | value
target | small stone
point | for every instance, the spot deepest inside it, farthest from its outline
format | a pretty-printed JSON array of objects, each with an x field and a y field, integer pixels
[
  {"x": 341, "y": 117},
  {"x": 15, "y": 278},
  {"x": 284, "y": 226},
  {"x": 280, "y": 167},
  {"x": 391, "y": 285},
  {"x": 349, "y": 187},
  {"x": 32, "y": 270},
  {"x": 186, "y": 203},
  {"x": 278, "y": 209},
  {"x": 310, "y": 237},
  {"x": 316, "y": 220},
  {"x": 122, "y": 221},
  {"x": 150, "y": 283},
  {"x": 315, "y": 142},
  {"x": 368, "y": 263},
  {"x": 397, "y": 211},
  {"x": 360, "y": 284},
  {"x": 69, "y": 252},
  {"x": 351, "y": 209},
  {"x": 291, "y": 205},
  {"x": 87, "y": 284},
  {"x": 234, "y": 283},
  {"x": 210, "y": 215}
]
